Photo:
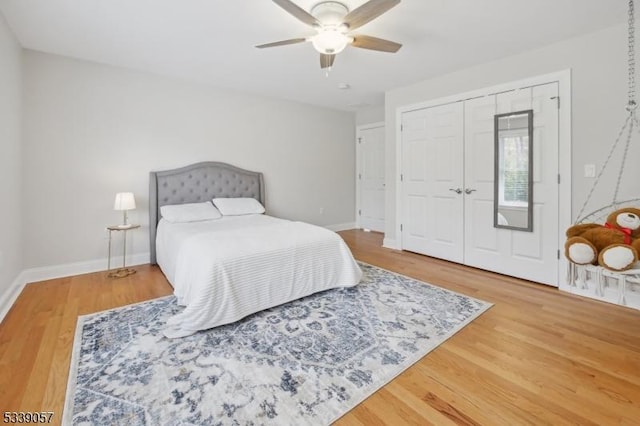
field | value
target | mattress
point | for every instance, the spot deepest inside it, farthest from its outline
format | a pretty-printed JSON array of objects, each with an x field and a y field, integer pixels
[{"x": 225, "y": 269}]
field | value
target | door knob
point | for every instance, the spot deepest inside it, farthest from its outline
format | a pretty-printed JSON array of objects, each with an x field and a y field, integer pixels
[
  {"x": 457, "y": 190},
  {"x": 469, "y": 191}
]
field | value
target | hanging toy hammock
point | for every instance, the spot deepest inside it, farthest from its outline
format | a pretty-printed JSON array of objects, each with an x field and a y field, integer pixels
[{"x": 595, "y": 281}]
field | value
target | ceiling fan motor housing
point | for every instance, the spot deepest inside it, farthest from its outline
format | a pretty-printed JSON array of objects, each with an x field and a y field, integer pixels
[{"x": 330, "y": 13}]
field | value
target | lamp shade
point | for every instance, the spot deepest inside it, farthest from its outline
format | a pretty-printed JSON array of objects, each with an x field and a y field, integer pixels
[{"x": 124, "y": 201}]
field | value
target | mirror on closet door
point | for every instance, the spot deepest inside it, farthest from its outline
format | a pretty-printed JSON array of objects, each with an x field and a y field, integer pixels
[{"x": 513, "y": 184}]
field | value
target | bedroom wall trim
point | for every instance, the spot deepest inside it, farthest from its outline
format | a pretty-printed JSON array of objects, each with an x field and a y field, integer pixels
[
  {"x": 77, "y": 268},
  {"x": 390, "y": 243},
  {"x": 341, "y": 226},
  {"x": 34, "y": 275},
  {"x": 9, "y": 298}
]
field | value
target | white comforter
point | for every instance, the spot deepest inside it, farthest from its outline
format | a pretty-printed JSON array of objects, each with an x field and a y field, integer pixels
[{"x": 223, "y": 270}]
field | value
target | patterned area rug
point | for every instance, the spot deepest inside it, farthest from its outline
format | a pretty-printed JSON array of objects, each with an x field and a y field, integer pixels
[{"x": 306, "y": 362}]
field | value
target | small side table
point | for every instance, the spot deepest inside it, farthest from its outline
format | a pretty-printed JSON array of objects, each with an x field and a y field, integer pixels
[{"x": 124, "y": 271}]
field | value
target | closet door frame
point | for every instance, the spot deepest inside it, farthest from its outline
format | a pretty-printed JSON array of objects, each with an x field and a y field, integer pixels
[{"x": 563, "y": 78}]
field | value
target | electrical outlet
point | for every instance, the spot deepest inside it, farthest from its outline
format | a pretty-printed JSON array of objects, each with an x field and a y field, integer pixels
[{"x": 589, "y": 170}]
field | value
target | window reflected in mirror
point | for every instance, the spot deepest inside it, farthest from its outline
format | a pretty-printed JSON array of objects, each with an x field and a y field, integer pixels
[{"x": 513, "y": 184}]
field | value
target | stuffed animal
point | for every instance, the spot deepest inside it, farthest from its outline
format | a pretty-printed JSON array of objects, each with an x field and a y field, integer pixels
[{"x": 614, "y": 245}]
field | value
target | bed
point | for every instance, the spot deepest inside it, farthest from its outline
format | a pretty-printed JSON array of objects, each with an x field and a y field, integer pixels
[{"x": 225, "y": 269}]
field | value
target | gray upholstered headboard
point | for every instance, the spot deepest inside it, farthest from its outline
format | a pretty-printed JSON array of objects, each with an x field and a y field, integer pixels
[{"x": 198, "y": 183}]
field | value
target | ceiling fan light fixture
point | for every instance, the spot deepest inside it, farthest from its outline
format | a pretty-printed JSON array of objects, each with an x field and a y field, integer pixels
[
  {"x": 329, "y": 12},
  {"x": 330, "y": 41},
  {"x": 334, "y": 22}
]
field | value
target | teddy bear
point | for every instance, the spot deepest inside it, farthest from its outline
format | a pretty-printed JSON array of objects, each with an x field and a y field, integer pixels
[{"x": 614, "y": 245}]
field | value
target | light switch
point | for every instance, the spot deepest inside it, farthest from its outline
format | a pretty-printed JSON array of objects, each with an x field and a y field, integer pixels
[{"x": 589, "y": 170}]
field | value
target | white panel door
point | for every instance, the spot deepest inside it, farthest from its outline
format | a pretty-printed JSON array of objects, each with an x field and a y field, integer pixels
[
  {"x": 482, "y": 248},
  {"x": 528, "y": 255},
  {"x": 371, "y": 178},
  {"x": 432, "y": 141}
]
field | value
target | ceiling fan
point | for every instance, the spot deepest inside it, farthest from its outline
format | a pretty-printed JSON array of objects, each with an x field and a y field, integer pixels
[{"x": 334, "y": 22}]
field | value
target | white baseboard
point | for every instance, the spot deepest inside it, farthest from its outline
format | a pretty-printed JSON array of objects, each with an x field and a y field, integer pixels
[
  {"x": 77, "y": 268},
  {"x": 341, "y": 226},
  {"x": 9, "y": 297},
  {"x": 390, "y": 243},
  {"x": 58, "y": 271}
]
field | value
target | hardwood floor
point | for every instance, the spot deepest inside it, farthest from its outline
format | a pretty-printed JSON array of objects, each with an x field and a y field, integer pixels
[{"x": 538, "y": 356}]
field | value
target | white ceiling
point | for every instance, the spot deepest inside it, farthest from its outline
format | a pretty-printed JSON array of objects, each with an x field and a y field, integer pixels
[{"x": 212, "y": 41}]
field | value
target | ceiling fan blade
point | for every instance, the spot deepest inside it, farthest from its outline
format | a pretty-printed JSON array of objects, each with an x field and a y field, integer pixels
[
  {"x": 368, "y": 12},
  {"x": 326, "y": 61},
  {"x": 282, "y": 43},
  {"x": 297, "y": 11},
  {"x": 373, "y": 43}
]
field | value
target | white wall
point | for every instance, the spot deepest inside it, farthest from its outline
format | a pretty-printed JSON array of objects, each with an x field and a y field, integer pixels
[
  {"x": 599, "y": 96},
  {"x": 94, "y": 130},
  {"x": 10, "y": 158},
  {"x": 372, "y": 114}
]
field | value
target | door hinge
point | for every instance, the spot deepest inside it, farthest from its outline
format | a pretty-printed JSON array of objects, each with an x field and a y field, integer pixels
[
  {"x": 359, "y": 212},
  {"x": 401, "y": 177},
  {"x": 558, "y": 178},
  {"x": 557, "y": 98},
  {"x": 359, "y": 175},
  {"x": 400, "y": 227},
  {"x": 558, "y": 254},
  {"x": 359, "y": 140},
  {"x": 402, "y": 127}
]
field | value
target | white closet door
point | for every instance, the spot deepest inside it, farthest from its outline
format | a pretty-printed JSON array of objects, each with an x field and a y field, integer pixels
[
  {"x": 482, "y": 245},
  {"x": 432, "y": 143},
  {"x": 371, "y": 176},
  {"x": 528, "y": 255}
]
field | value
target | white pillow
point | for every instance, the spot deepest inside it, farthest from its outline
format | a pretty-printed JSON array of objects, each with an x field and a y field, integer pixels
[
  {"x": 238, "y": 206},
  {"x": 191, "y": 212}
]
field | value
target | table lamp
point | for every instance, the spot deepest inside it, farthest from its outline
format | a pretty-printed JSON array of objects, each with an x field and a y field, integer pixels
[{"x": 125, "y": 202}]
